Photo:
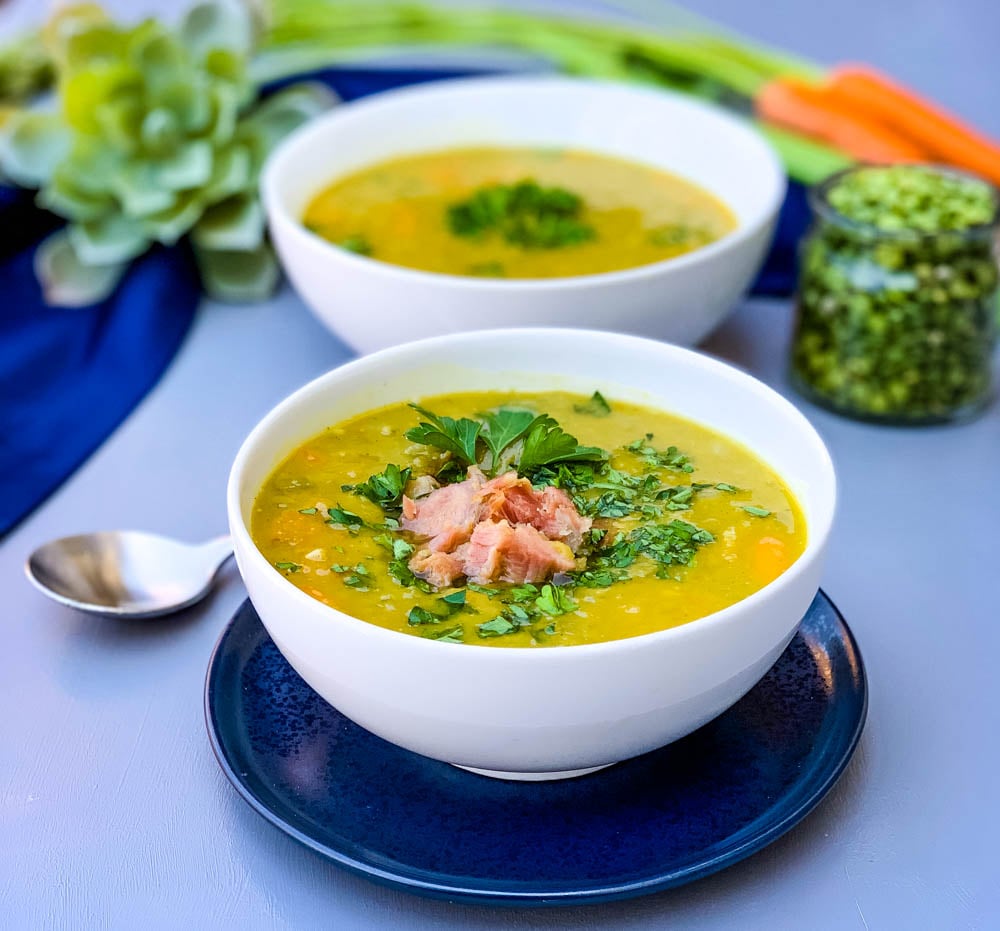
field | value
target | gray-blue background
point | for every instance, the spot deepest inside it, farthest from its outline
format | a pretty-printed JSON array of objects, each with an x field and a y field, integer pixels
[{"x": 113, "y": 812}]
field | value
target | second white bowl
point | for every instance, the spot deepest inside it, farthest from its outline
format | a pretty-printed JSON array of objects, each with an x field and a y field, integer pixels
[{"x": 371, "y": 304}]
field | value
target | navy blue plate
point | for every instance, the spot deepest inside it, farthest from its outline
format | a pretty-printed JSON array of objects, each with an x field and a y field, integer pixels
[{"x": 660, "y": 820}]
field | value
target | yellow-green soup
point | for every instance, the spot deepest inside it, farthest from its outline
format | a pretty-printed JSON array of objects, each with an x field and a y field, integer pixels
[
  {"x": 401, "y": 212},
  {"x": 344, "y": 549}
]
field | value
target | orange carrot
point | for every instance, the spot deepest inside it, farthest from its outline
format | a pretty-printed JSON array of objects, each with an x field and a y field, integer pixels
[
  {"x": 874, "y": 96},
  {"x": 770, "y": 559},
  {"x": 804, "y": 107}
]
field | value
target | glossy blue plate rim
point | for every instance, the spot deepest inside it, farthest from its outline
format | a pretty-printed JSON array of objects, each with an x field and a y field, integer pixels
[{"x": 803, "y": 796}]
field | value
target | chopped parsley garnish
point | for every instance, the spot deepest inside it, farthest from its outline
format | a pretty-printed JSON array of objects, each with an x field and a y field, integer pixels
[
  {"x": 451, "y": 635},
  {"x": 420, "y": 615},
  {"x": 512, "y": 438},
  {"x": 456, "y": 600},
  {"x": 502, "y": 429},
  {"x": 457, "y": 437},
  {"x": 669, "y": 458},
  {"x": 649, "y": 540},
  {"x": 498, "y": 627},
  {"x": 444, "y": 608},
  {"x": 357, "y": 244},
  {"x": 595, "y": 407},
  {"x": 341, "y": 518},
  {"x": 546, "y": 444},
  {"x": 554, "y": 601},
  {"x": 679, "y": 235},
  {"x": 523, "y": 214},
  {"x": 384, "y": 488},
  {"x": 487, "y": 270}
]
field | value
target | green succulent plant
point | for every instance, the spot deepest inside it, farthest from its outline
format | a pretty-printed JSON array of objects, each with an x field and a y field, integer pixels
[{"x": 158, "y": 134}]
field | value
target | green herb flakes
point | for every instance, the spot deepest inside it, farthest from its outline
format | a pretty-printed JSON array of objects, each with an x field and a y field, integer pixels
[
  {"x": 756, "y": 511},
  {"x": 288, "y": 567},
  {"x": 595, "y": 407},
  {"x": 451, "y": 635},
  {"x": 499, "y": 627},
  {"x": 523, "y": 214},
  {"x": 341, "y": 518},
  {"x": 384, "y": 489},
  {"x": 554, "y": 601},
  {"x": 418, "y": 615},
  {"x": 359, "y": 245}
]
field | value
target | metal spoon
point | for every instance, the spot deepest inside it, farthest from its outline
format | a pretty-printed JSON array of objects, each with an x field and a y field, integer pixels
[{"x": 126, "y": 573}]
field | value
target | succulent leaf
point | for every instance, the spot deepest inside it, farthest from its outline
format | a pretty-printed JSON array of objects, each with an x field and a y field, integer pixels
[
  {"x": 158, "y": 138},
  {"x": 218, "y": 25},
  {"x": 68, "y": 282},
  {"x": 238, "y": 277},
  {"x": 167, "y": 226},
  {"x": 112, "y": 239},
  {"x": 287, "y": 109},
  {"x": 189, "y": 167},
  {"x": 232, "y": 172},
  {"x": 31, "y": 145},
  {"x": 234, "y": 225}
]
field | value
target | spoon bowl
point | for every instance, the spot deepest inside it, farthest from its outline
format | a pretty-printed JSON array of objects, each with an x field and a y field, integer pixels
[{"x": 126, "y": 573}]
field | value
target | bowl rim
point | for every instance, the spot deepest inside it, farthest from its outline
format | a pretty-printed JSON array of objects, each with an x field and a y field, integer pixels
[
  {"x": 818, "y": 533},
  {"x": 282, "y": 159}
]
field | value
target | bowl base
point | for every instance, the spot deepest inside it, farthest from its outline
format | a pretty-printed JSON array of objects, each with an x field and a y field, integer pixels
[{"x": 533, "y": 777}]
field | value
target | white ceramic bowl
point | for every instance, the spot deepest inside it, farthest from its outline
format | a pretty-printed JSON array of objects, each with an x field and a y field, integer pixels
[
  {"x": 371, "y": 304},
  {"x": 538, "y": 712}
]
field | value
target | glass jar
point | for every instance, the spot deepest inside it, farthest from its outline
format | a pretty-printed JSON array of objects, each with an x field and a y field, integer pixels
[{"x": 899, "y": 325}]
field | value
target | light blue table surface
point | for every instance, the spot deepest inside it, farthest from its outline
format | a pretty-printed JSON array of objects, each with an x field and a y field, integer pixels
[{"x": 114, "y": 814}]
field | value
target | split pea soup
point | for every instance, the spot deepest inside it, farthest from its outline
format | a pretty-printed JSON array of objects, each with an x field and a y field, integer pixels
[
  {"x": 526, "y": 519},
  {"x": 517, "y": 213}
]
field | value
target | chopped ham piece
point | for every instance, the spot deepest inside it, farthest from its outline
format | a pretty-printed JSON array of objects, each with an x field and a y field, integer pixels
[
  {"x": 550, "y": 510},
  {"x": 447, "y": 515},
  {"x": 502, "y": 529},
  {"x": 519, "y": 553},
  {"x": 440, "y": 569},
  {"x": 422, "y": 486}
]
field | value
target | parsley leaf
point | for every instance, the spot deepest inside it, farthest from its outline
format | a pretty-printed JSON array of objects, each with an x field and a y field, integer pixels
[
  {"x": 357, "y": 244},
  {"x": 341, "y": 518},
  {"x": 595, "y": 407},
  {"x": 451, "y": 635},
  {"x": 457, "y": 437},
  {"x": 504, "y": 428},
  {"x": 544, "y": 443},
  {"x": 456, "y": 600},
  {"x": 554, "y": 601},
  {"x": 288, "y": 567},
  {"x": 307, "y": 510},
  {"x": 547, "y": 443},
  {"x": 420, "y": 615},
  {"x": 498, "y": 627},
  {"x": 756, "y": 511},
  {"x": 524, "y": 214},
  {"x": 384, "y": 488},
  {"x": 445, "y": 608},
  {"x": 669, "y": 458}
]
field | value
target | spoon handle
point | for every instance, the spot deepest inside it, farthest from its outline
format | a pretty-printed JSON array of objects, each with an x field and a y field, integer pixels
[{"x": 219, "y": 549}]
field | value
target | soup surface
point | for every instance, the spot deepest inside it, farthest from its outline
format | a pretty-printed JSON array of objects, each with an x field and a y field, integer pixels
[
  {"x": 658, "y": 522},
  {"x": 517, "y": 213}
]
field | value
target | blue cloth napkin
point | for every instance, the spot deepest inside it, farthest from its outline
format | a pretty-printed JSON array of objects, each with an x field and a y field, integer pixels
[{"x": 69, "y": 377}]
